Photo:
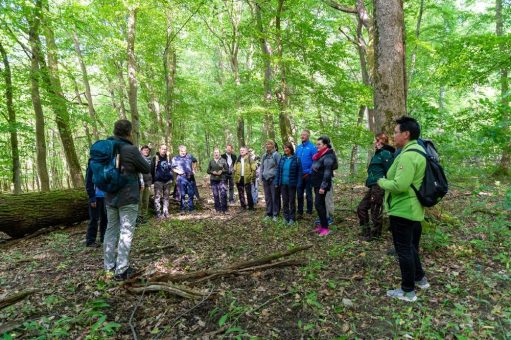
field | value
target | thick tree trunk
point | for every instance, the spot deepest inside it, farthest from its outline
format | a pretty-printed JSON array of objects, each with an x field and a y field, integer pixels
[
  {"x": 59, "y": 105},
  {"x": 282, "y": 95},
  {"x": 390, "y": 71},
  {"x": 35, "y": 75},
  {"x": 88, "y": 93},
  {"x": 26, "y": 213},
  {"x": 505, "y": 160},
  {"x": 169, "y": 67},
  {"x": 16, "y": 166},
  {"x": 132, "y": 79},
  {"x": 269, "y": 123}
]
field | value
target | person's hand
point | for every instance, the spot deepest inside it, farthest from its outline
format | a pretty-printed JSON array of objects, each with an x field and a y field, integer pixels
[
  {"x": 93, "y": 204},
  {"x": 321, "y": 191}
]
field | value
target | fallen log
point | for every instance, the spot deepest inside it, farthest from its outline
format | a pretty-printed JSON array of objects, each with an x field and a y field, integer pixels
[
  {"x": 183, "y": 292},
  {"x": 29, "y": 212},
  {"x": 13, "y": 298}
]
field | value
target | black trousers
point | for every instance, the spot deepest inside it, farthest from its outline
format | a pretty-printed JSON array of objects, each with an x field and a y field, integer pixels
[
  {"x": 320, "y": 205},
  {"x": 406, "y": 235},
  {"x": 230, "y": 183},
  {"x": 245, "y": 188},
  {"x": 97, "y": 214},
  {"x": 289, "y": 200}
]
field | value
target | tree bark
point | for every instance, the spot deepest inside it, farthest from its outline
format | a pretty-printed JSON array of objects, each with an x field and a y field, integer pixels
[
  {"x": 269, "y": 123},
  {"x": 35, "y": 49},
  {"x": 169, "y": 67},
  {"x": 13, "y": 130},
  {"x": 417, "y": 34},
  {"x": 79, "y": 99},
  {"x": 505, "y": 160},
  {"x": 132, "y": 80},
  {"x": 58, "y": 102},
  {"x": 25, "y": 213},
  {"x": 390, "y": 71},
  {"x": 88, "y": 93},
  {"x": 282, "y": 94}
]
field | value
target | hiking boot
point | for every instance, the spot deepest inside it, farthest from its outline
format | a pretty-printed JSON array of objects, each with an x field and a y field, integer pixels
[
  {"x": 290, "y": 222},
  {"x": 128, "y": 273},
  {"x": 93, "y": 245},
  {"x": 324, "y": 231},
  {"x": 166, "y": 214},
  {"x": 330, "y": 221},
  {"x": 275, "y": 219},
  {"x": 423, "y": 283},
  {"x": 400, "y": 294},
  {"x": 392, "y": 252}
]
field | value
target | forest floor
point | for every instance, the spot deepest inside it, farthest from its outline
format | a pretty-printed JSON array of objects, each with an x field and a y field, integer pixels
[{"x": 339, "y": 292}]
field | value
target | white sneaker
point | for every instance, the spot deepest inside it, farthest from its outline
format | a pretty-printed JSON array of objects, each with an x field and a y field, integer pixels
[
  {"x": 402, "y": 295},
  {"x": 423, "y": 283}
]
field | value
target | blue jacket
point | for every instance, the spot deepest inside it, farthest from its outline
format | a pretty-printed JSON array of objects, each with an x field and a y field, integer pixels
[
  {"x": 304, "y": 152},
  {"x": 92, "y": 191},
  {"x": 295, "y": 171}
]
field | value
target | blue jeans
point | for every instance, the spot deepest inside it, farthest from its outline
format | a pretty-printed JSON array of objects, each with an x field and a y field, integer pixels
[
  {"x": 305, "y": 188},
  {"x": 185, "y": 186},
  {"x": 219, "y": 189}
]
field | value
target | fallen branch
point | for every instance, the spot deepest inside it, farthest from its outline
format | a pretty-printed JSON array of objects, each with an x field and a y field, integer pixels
[
  {"x": 183, "y": 292},
  {"x": 13, "y": 298},
  {"x": 151, "y": 250}
]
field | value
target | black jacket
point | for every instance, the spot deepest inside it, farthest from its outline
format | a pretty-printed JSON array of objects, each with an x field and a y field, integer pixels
[
  {"x": 234, "y": 159},
  {"x": 161, "y": 169},
  {"x": 132, "y": 163},
  {"x": 322, "y": 170}
]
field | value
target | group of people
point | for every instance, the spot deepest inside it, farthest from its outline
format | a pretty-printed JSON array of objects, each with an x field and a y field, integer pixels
[{"x": 291, "y": 182}]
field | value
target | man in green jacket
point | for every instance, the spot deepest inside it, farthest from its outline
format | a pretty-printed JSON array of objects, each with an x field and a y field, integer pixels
[
  {"x": 404, "y": 209},
  {"x": 373, "y": 199}
]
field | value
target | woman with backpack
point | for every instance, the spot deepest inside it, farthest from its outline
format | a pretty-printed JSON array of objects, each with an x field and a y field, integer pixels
[
  {"x": 289, "y": 177},
  {"x": 323, "y": 164}
]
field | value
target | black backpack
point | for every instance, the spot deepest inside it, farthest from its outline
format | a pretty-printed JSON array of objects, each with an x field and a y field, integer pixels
[{"x": 434, "y": 186}]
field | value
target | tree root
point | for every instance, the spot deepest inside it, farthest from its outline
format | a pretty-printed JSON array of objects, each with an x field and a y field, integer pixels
[{"x": 13, "y": 298}]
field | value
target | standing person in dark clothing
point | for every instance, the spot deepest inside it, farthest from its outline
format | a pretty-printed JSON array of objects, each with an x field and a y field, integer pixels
[
  {"x": 162, "y": 178},
  {"x": 182, "y": 166},
  {"x": 217, "y": 169},
  {"x": 404, "y": 208},
  {"x": 230, "y": 158},
  {"x": 268, "y": 170},
  {"x": 146, "y": 180},
  {"x": 244, "y": 175},
  {"x": 97, "y": 212},
  {"x": 324, "y": 162},
  {"x": 122, "y": 206},
  {"x": 289, "y": 176},
  {"x": 373, "y": 199},
  {"x": 305, "y": 151}
]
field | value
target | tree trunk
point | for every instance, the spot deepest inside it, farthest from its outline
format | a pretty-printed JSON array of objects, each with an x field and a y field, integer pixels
[
  {"x": 282, "y": 95},
  {"x": 269, "y": 123},
  {"x": 80, "y": 102},
  {"x": 88, "y": 93},
  {"x": 35, "y": 48},
  {"x": 417, "y": 34},
  {"x": 390, "y": 71},
  {"x": 169, "y": 67},
  {"x": 132, "y": 95},
  {"x": 59, "y": 105},
  {"x": 121, "y": 90},
  {"x": 25, "y": 213},
  {"x": 13, "y": 130},
  {"x": 505, "y": 160},
  {"x": 354, "y": 149}
]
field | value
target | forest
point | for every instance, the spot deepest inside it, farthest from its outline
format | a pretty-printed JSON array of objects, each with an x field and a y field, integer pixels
[{"x": 205, "y": 74}]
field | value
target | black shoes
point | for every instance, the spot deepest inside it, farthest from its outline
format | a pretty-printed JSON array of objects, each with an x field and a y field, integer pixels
[{"x": 128, "y": 273}]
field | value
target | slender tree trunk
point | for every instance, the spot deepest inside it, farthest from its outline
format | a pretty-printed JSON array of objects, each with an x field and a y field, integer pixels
[
  {"x": 121, "y": 90},
  {"x": 80, "y": 102},
  {"x": 133, "y": 87},
  {"x": 59, "y": 104},
  {"x": 282, "y": 95},
  {"x": 354, "y": 149},
  {"x": 269, "y": 123},
  {"x": 505, "y": 160},
  {"x": 88, "y": 93},
  {"x": 35, "y": 48},
  {"x": 390, "y": 75},
  {"x": 13, "y": 130},
  {"x": 169, "y": 67},
  {"x": 417, "y": 34}
]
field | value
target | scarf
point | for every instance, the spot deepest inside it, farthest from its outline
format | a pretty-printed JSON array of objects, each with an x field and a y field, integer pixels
[{"x": 320, "y": 154}]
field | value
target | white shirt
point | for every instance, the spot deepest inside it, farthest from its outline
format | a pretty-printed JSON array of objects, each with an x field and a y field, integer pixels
[
  {"x": 229, "y": 160},
  {"x": 242, "y": 167}
]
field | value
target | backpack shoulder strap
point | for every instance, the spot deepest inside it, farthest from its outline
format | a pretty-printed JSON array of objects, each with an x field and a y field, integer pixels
[{"x": 418, "y": 151}]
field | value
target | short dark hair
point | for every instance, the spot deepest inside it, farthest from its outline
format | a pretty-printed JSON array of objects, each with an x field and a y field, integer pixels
[
  {"x": 325, "y": 140},
  {"x": 290, "y": 147},
  {"x": 145, "y": 147},
  {"x": 122, "y": 128},
  {"x": 411, "y": 125}
]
